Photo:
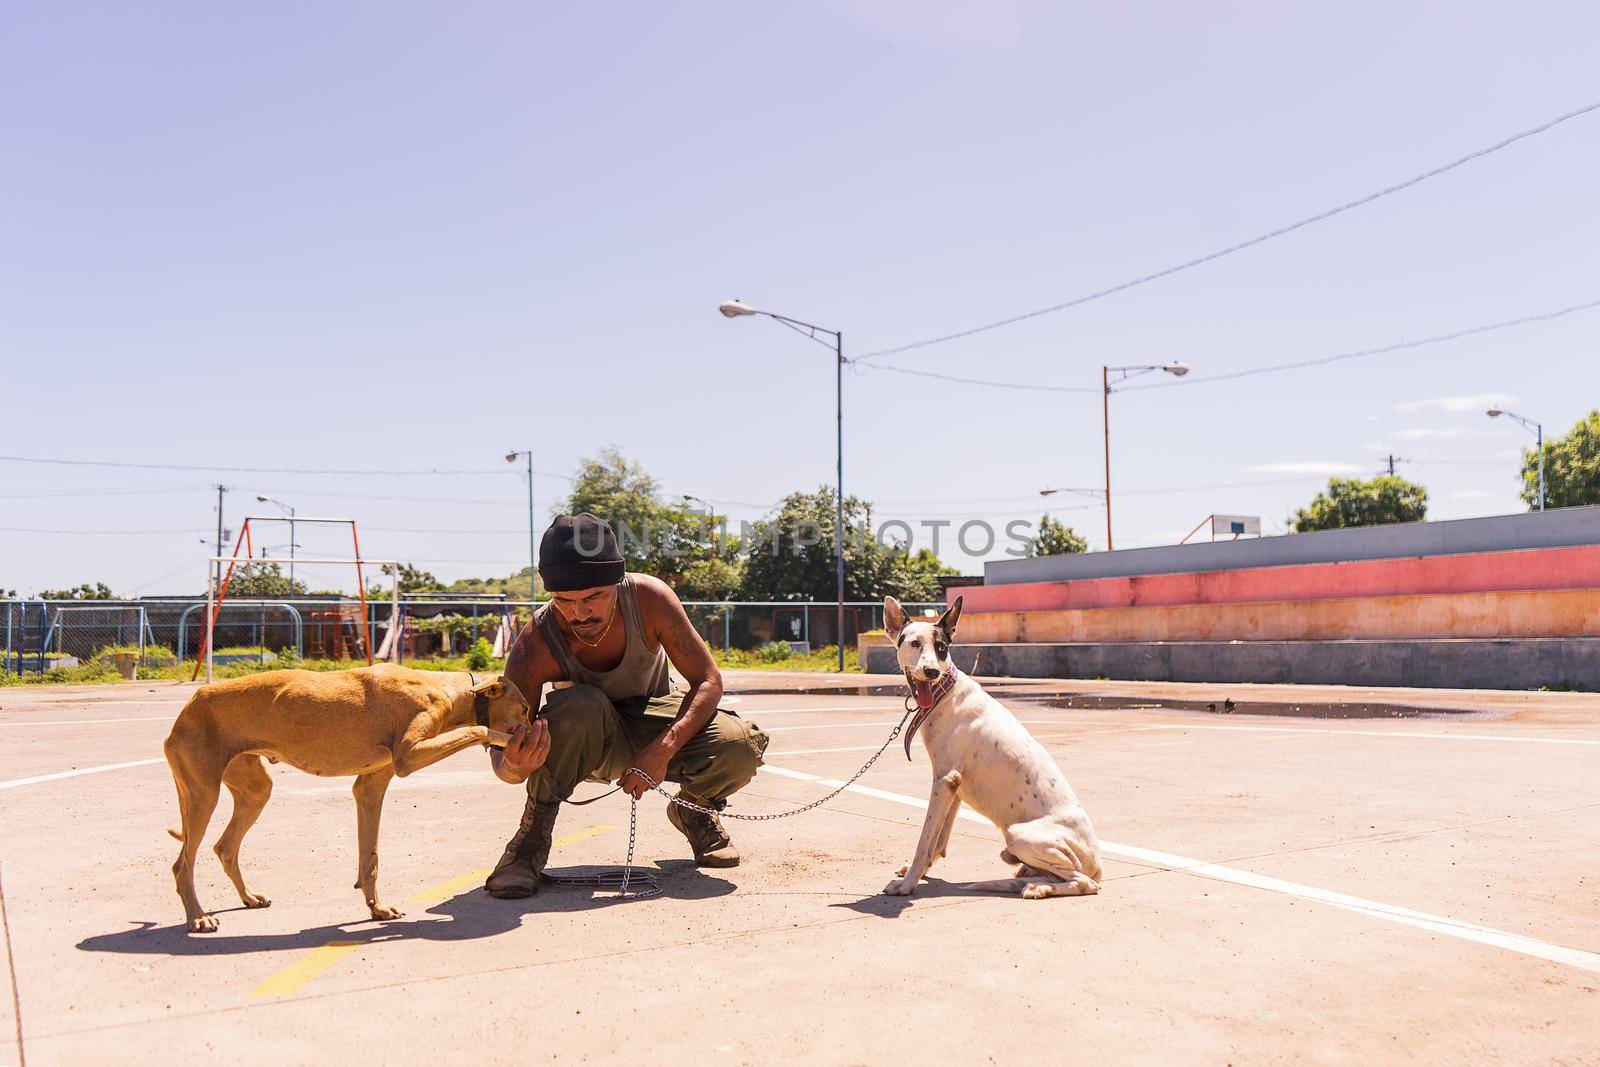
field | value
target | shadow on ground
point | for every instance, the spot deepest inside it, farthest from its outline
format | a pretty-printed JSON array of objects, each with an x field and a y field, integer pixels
[
  {"x": 886, "y": 907},
  {"x": 466, "y": 916}
]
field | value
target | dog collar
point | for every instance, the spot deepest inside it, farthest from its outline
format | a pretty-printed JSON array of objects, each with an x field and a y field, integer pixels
[
  {"x": 940, "y": 688},
  {"x": 480, "y": 703}
]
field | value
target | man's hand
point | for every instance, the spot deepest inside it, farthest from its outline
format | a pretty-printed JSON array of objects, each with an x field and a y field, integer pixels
[
  {"x": 525, "y": 753},
  {"x": 652, "y": 760}
]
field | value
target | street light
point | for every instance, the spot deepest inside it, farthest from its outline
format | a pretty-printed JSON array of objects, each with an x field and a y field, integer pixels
[
  {"x": 734, "y": 309},
  {"x": 1175, "y": 368},
  {"x": 1538, "y": 430},
  {"x": 511, "y": 457},
  {"x": 287, "y": 510}
]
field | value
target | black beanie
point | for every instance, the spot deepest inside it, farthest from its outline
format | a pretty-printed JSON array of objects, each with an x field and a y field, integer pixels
[{"x": 579, "y": 552}]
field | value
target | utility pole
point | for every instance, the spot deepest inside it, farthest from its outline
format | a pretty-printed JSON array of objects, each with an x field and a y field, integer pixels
[
  {"x": 1391, "y": 459},
  {"x": 216, "y": 568}
]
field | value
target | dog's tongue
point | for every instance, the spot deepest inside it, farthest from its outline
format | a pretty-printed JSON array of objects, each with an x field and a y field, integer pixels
[{"x": 922, "y": 692}]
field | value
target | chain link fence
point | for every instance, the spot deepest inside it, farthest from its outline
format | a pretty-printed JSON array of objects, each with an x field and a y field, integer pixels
[{"x": 129, "y": 636}]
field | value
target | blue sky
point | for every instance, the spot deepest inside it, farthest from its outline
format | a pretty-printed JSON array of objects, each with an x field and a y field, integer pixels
[{"x": 416, "y": 235}]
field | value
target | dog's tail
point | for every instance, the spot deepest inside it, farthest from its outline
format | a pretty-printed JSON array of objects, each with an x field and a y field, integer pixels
[{"x": 178, "y": 834}]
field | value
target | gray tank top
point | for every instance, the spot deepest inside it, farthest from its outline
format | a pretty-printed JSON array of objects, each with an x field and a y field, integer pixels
[{"x": 642, "y": 672}]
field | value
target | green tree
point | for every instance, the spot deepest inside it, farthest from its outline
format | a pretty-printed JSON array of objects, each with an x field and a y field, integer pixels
[
  {"x": 1571, "y": 467},
  {"x": 1376, "y": 501},
  {"x": 655, "y": 537},
  {"x": 515, "y": 586},
  {"x": 97, "y": 591},
  {"x": 412, "y": 580},
  {"x": 791, "y": 557},
  {"x": 262, "y": 579},
  {"x": 1055, "y": 539}
]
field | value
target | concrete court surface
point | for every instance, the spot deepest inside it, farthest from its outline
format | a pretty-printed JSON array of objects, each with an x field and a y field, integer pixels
[{"x": 1278, "y": 889}]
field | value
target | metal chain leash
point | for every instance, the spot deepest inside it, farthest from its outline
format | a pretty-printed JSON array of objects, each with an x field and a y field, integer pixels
[
  {"x": 619, "y": 879},
  {"x": 704, "y": 810}
]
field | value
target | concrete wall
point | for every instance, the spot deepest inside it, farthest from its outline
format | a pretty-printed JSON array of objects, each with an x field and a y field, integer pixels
[
  {"x": 1539, "y": 568},
  {"x": 1522, "y": 613},
  {"x": 1513, "y": 664},
  {"x": 1551, "y": 529}
]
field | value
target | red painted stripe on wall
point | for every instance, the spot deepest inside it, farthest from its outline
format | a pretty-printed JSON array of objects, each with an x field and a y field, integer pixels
[{"x": 1532, "y": 568}]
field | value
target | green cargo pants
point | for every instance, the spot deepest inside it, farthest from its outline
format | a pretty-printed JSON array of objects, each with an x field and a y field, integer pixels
[{"x": 593, "y": 739}]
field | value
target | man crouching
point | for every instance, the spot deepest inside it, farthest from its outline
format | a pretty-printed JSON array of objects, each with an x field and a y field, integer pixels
[{"x": 604, "y": 642}]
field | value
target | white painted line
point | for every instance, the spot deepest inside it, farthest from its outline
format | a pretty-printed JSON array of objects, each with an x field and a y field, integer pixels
[
  {"x": 753, "y": 712},
  {"x": 819, "y": 751},
  {"x": 1438, "y": 924},
  {"x": 17, "y": 783},
  {"x": 1376, "y": 733},
  {"x": 92, "y": 722}
]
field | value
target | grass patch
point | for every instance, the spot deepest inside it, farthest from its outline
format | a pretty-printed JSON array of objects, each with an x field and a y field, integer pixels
[{"x": 780, "y": 657}]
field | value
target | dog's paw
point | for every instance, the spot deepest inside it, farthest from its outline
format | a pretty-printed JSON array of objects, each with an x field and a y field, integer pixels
[
  {"x": 203, "y": 924},
  {"x": 1038, "y": 891},
  {"x": 256, "y": 900},
  {"x": 900, "y": 887},
  {"x": 383, "y": 913}
]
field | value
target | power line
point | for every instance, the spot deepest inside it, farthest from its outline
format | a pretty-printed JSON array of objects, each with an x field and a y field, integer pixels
[
  {"x": 1201, "y": 379},
  {"x": 115, "y": 533},
  {"x": 1398, "y": 346},
  {"x": 1242, "y": 245},
  {"x": 271, "y": 470}
]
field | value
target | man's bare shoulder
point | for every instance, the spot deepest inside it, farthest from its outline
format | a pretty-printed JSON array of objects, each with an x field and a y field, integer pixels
[{"x": 654, "y": 591}]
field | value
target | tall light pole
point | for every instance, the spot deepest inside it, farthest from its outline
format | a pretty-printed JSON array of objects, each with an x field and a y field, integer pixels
[
  {"x": 1538, "y": 431},
  {"x": 287, "y": 510},
  {"x": 533, "y": 563},
  {"x": 733, "y": 309},
  {"x": 1177, "y": 370}
]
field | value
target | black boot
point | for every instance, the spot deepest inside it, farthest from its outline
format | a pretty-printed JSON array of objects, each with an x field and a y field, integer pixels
[
  {"x": 517, "y": 873},
  {"x": 711, "y": 844}
]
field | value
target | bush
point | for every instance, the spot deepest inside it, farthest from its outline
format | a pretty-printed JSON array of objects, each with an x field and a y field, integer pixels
[
  {"x": 288, "y": 658},
  {"x": 481, "y": 656},
  {"x": 776, "y": 652}
]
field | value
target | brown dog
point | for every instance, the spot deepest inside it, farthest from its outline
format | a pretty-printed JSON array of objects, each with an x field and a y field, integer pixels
[{"x": 372, "y": 722}]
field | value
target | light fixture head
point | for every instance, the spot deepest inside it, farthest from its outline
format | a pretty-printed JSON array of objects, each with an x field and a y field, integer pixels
[
  {"x": 511, "y": 457},
  {"x": 264, "y": 498},
  {"x": 1177, "y": 369},
  {"x": 734, "y": 308},
  {"x": 1495, "y": 413}
]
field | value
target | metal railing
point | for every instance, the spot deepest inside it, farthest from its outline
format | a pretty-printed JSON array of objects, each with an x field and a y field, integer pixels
[{"x": 37, "y": 635}]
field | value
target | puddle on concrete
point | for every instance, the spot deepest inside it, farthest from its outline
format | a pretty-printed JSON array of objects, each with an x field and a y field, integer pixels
[{"x": 1351, "y": 710}]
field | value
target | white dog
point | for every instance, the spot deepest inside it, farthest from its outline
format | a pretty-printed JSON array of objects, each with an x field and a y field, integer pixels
[{"x": 982, "y": 755}]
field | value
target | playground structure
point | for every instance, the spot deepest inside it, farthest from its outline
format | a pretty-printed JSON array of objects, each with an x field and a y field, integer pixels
[{"x": 217, "y": 590}]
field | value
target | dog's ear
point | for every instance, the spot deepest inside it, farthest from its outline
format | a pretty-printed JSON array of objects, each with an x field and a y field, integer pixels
[
  {"x": 894, "y": 617},
  {"x": 947, "y": 621},
  {"x": 492, "y": 688}
]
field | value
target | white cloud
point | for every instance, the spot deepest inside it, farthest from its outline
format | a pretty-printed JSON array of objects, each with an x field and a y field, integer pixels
[
  {"x": 1423, "y": 434},
  {"x": 1471, "y": 494},
  {"x": 1315, "y": 466},
  {"x": 1466, "y": 402}
]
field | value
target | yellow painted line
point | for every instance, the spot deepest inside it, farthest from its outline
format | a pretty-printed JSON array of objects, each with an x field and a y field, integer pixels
[
  {"x": 313, "y": 963},
  {"x": 289, "y": 980}
]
